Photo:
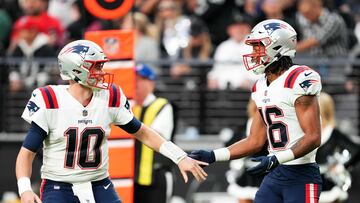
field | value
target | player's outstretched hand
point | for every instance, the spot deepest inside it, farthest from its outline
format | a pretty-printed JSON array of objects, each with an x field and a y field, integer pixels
[
  {"x": 193, "y": 166},
  {"x": 267, "y": 163},
  {"x": 203, "y": 155},
  {"x": 30, "y": 197}
]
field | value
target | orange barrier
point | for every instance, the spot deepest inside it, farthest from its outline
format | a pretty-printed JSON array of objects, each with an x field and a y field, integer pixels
[
  {"x": 119, "y": 45},
  {"x": 121, "y": 153},
  {"x": 125, "y": 189},
  {"x": 124, "y": 75}
]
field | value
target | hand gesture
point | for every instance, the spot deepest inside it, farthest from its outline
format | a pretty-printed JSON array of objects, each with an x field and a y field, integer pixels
[
  {"x": 203, "y": 155},
  {"x": 193, "y": 166},
  {"x": 267, "y": 163},
  {"x": 30, "y": 197}
]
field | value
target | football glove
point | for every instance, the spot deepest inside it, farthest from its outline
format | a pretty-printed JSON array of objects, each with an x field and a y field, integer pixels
[
  {"x": 203, "y": 155},
  {"x": 267, "y": 163}
]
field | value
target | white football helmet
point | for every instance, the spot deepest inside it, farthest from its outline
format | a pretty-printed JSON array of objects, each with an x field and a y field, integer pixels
[
  {"x": 82, "y": 61},
  {"x": 271, "y": 39}
]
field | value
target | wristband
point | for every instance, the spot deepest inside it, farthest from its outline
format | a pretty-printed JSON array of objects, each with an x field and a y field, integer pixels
[
  {"x": 24, "y": 185},
  {"x": 285, "y": 156},
  {"x": 172, "y": 151},
  {"x": 222, "y": 154}
]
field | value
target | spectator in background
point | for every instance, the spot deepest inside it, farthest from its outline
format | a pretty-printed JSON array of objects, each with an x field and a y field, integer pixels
[
  {"x": 152, "y": 170},
  {"x": 274, "y": 9},
  {"x": 5, "y": 25},
  {"x": 217, "y": 16},
  {"x": 81, "y": 20},
  {"x": 324, "y": 33},
  {"x": 146, "y": 45},
  {"x": 147, "y": 7},
  {"x": 60, "y": 10},
  {"x": 47, "y": 24},
  {"x": 30, "y": 43},
  {"x": 228, "y": 70},
  {"x": 199, "y": 48},
  {"x": 174, "y": 28},
  {"x": 336, "y": 153}
]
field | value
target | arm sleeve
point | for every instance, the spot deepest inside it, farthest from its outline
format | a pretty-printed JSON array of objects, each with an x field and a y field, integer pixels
[
  {"x": 124, "y": 114},
  {"x": 131, "y": 127},
  {"x": 307, "y": 83},
  {"x": 35, "y": 111},
  {"x": 34, "y": 137}
]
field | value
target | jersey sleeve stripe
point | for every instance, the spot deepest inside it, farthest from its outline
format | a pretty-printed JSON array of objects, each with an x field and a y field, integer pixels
[
  {"x": 49, "y": 97},
  {"x": 53, "y": 96},
  {"x": 114, "y": 100},
  {"x": 111, "y": 96},
  {"x": 291, "y": 78},
  {"x": 117, "y": 96},
  {"x": 43, "y": 93}
]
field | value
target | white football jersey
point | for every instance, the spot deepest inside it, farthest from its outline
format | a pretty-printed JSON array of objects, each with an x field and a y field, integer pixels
[
  {"x": 75, "y": 149},
  {"x": 276, "y": 106}
]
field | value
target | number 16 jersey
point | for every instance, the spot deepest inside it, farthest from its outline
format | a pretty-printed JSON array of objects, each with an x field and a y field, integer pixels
[{"x": 276, "y": 104}]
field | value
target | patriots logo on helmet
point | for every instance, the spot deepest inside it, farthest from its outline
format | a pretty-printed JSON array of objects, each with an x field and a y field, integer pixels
[
  {"x": 271, "y": 27},
  {"x": 32, "y": 107},
  {"x": 306, "y": 84},
  {"x": 78, "y": 49}
]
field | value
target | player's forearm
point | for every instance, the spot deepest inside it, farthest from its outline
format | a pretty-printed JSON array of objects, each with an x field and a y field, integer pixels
[
  {"x": 153, "y": 140},
  {"x": 244, "y": 148},
  {"x": 305, "y": 145},
  {"x": 24, "y": 163},
  {"x": 23, "y": 170},
  {"x": 149, "y": 137}
]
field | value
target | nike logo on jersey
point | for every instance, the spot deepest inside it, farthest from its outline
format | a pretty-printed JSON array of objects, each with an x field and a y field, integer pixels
[
  {"x": 106, "y": 186},
  {"x": 33, "y": 94},
  {"x": 307, "y": 74}
]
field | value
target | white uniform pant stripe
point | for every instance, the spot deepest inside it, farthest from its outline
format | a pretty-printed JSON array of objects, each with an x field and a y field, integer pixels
[
  {"x": 311, "y": 193},
  {"x": 312, "y": 196}
]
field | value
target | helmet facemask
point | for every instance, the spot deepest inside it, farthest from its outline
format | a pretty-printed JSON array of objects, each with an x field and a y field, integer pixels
[
  {"x": 97, "y": 78},
  {"x": 258, "y": 59}
]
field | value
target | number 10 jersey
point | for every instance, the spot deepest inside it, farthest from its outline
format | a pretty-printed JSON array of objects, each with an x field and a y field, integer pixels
[{"x": 75, "y": 148}]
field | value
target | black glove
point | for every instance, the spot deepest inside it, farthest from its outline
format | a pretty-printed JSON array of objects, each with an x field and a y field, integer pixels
[
  {"x": 267, "y": 163},
  {"x": 203, "y": 155}
]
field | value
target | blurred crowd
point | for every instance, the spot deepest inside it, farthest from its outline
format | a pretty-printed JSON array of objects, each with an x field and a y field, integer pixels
[
  {"x": 193, "y": 35},
  {"x": 179, "y": 30}
]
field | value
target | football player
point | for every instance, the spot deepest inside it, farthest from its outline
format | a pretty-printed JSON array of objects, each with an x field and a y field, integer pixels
[
  {"x": 73, "y": 123},
  {"x": 288, "y": 118}
]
